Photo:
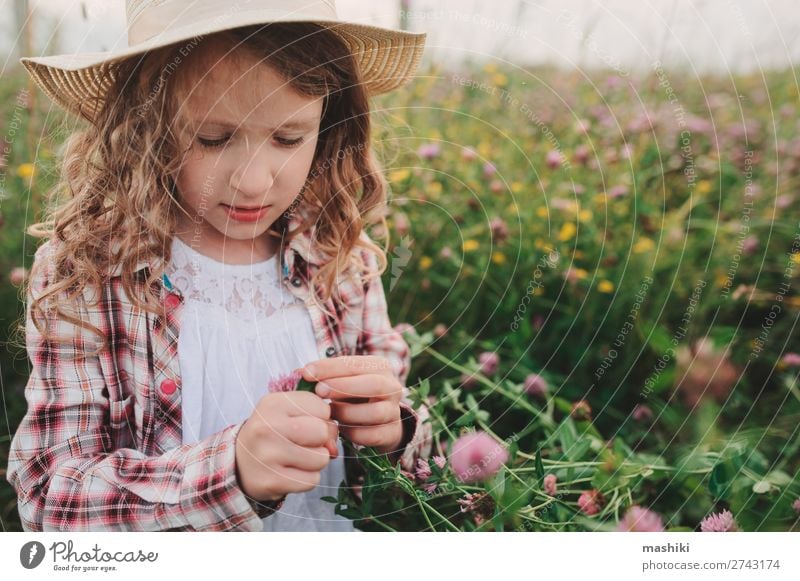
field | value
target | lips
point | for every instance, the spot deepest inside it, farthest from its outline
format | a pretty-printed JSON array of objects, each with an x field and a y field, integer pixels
[
  {"x": 245, "y": 208},
  {"x": 240, "y": 215}
]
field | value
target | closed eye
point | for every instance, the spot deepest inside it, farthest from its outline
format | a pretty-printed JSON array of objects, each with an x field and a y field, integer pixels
[
  {"x": 289, "y": 142},
  {"x": 215, "y": 142},
  {"x": 212, "y": 143}
]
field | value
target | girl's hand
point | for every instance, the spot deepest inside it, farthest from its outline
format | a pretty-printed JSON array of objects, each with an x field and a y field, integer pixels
[
  {"x": 284, "y": 445},
  {"x": 365, "y": 398}
]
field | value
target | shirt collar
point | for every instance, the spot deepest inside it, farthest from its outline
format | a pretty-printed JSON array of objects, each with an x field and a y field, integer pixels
[{"x": 299, "y": 247}]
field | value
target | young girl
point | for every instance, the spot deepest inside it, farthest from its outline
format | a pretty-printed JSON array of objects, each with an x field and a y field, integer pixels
[{"x": 211, "y": 242}]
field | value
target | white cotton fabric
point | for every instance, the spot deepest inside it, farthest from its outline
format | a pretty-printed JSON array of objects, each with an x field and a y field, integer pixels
[{"x": 239, "y": 329}]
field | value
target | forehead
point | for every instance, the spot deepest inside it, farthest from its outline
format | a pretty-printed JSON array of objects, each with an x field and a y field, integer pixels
[{"x": 220, "y": 85}]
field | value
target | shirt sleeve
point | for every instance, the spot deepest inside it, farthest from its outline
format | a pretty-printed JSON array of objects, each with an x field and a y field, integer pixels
[
  {"x": 378, "y": 337},
  {"x": 67, "y": 474}
]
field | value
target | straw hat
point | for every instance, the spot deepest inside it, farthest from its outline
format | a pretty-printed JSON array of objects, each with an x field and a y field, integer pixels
[{"x": 386, "y": 58}]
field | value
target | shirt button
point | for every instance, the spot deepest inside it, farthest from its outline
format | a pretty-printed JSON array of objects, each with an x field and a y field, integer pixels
[
  {"x": 296, "y": 281},
  {"x": 172, "y": 300},
  {"x": 168, "y": 387},
  {"x": 330, "y": 351}
]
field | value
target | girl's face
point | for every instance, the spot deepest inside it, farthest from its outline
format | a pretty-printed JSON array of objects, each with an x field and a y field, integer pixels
[{"x": 253, "y": 139}]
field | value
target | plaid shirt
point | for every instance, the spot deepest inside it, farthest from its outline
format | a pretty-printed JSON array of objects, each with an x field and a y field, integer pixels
[{"x": 100, "y": 447}]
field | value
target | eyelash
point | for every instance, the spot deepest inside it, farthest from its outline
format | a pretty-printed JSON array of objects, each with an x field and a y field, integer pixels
[{"x": 216, "y": 143}]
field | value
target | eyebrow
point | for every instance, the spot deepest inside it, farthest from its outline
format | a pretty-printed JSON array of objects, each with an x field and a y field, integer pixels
[{"x": 294, "y": 124}]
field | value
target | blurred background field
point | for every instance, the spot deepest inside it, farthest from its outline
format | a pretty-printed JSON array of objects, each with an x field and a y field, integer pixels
[{"x": 597, "y": 266}]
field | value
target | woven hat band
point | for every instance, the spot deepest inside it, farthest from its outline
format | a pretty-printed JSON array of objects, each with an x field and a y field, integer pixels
[{"x": 150, "y": 18}]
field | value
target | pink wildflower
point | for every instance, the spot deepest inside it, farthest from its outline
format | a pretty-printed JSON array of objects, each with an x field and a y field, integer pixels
[
  {"x": 18, "y": 275},
  {"x": 722, "y": 522},
  {"x": 591, "y": 501},
  {"x": 796, "y": 505},
  {"x": 489, "y": 361},
  {"x": 535, "y": 385},
  {"x": 423, "y": 471},
  {"x": 553, "y": 159},
  {"x": 642, "y": 413},
  {"x": 429, "y": 150},
  {"x": 550, "y": 484},
  {"x": 641, "y": 520},
  {"x": 499, "y": 229},
  {"x": 476, "y": 457},
  {"x": 287, "y": 382},
  {"x": 581, "y": 410},
  {"x": 791, "y": 360},
  {"x": 468, "y": 154}
]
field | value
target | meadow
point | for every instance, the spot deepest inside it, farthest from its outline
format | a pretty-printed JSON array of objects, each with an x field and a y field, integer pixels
[{"x": 598, "y": 276}]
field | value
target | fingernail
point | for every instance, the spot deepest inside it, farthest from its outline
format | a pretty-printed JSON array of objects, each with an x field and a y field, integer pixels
[
  {"x": 310, "y": 370},
  {"x": 323, "y": 390}
]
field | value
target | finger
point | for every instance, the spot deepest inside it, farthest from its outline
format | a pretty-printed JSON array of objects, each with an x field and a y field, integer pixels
[
  {"x": 333, "y": 430},
  {"x": 305, "y": 430},
  {"x": 303, "y": 403},
  {"x": 375, "y": 436},
  {"x": 303, "y": 458},
  {"x": 296, "y": 480},
  {"x": 333, "y": 448},
  {"x": 365, "y": 414},
  {"x": 346, "y": 365},
  {"x": 360, "y": 386}
]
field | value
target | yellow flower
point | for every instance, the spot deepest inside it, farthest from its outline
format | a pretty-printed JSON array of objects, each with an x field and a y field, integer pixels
[
  {"x": 26, "y": 171},
  {"x": 425, "y": 262},
  {"x": 500, "y": 80},
  {"x": 498, "y": 257},
  {"x": 516, "y": 187},
  {"x": 539, "y": 290},
  {"x": 601, "y": 198},
  {"x": 703, "y": 186},
  {"x": 538, "y": 243},
  {"x": 541, "y": 212},
  {"x": 585, "y": 215},
  {"x": 605, "y": 286},
  {"x": 567, "y": 232},
  {"x": 470, "y": 245},
  {"x": 490, "y": 68},
  {"x": 643, "y": 245},
  {"x": 795, "y": 258},
  {"x": 580, "y": 273},
  {"x": 399, "y": 175},
  {"x": 578, "y": 254},
  {"x": 484, "y": 148},
  {"x": 435, "y": 188}
]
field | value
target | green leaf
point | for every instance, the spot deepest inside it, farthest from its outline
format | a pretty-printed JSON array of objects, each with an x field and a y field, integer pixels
[
  {"x": 566, "y": 434},
  {"x": 761, "y": 487},
  {"x": 720, "y": 481},
  {"x": 539, "y": 466},
  {"x": 329, "y": 499},
  {"x": 304, "y": 385},
  {"x": 778, "y": 478}
]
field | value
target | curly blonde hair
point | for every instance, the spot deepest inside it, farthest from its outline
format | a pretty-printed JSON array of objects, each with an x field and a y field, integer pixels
[{"x": 118, "y": 174}]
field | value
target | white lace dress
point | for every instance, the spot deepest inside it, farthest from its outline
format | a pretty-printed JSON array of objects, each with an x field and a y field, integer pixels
[{"x": 239, "y": 329}]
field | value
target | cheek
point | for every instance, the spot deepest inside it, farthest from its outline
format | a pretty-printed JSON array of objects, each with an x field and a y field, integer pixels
[{"x": 198, "y": 174}]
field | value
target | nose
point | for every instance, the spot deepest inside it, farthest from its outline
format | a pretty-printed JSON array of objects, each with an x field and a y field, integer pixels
[{"x": 254, "y": 175}]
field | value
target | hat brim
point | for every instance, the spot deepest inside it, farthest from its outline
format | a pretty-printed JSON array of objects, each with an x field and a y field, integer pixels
[{"x": 386, "y": 58}]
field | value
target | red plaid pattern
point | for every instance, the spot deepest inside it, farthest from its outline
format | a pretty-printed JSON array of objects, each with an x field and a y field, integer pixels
[{"x": 99, "y": 448}]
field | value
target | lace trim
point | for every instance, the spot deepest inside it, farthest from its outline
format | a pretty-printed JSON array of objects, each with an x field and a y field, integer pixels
[{"x": 247, "y": 291}]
